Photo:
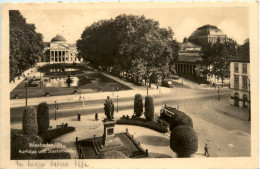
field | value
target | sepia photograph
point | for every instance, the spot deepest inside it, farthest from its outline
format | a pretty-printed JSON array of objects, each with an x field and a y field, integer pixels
[{"x": 118, "y": 81}]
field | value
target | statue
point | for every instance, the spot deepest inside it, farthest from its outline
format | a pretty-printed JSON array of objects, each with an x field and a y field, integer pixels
[{"x": 109, "y": 108}]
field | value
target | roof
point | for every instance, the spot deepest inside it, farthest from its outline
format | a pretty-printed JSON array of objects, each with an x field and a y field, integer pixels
[
  {"x": 188, "y": 45},
  {"x": 243, "y": 55},
  {"x": 189, "y": 57},
  {"x": 207, "y": 30},
  {"x": 58, "y": 38}
]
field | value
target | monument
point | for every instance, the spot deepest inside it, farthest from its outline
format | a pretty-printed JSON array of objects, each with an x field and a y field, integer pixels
[{"x": 110, "y": 141}]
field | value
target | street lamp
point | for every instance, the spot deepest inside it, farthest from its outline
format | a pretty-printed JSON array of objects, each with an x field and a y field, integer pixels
[
  {"x": 117, "y": 103},
  {"x": 56, "y": 107},
  {"x": 26, "y": 88},
  {"x": 218, "y": 94}
]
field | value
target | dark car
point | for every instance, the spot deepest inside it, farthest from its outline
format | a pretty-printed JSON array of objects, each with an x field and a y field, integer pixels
[{"x": 167, "y": 83}]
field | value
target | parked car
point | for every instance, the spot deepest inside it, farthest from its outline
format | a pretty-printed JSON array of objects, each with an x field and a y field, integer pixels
[{"x": 167, "y": 83}]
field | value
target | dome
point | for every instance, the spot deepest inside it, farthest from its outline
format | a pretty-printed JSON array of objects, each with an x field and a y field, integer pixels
[
  {"x": 58, "y": 38},
  {"x": 207, "y": 30}
]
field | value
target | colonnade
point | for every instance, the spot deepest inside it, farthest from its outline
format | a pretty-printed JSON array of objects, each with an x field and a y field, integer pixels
[
  {"x": 60, "y": 56},
  {"x": 185, "y": 68}
]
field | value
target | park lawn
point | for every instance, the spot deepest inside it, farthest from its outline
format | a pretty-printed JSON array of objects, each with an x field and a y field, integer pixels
[{"x": 87, "y": 84}]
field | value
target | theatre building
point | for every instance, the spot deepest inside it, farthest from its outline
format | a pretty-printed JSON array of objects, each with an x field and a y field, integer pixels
[
  {"x": 60, "y": 51},
  {"x": 189, "y": 59}
]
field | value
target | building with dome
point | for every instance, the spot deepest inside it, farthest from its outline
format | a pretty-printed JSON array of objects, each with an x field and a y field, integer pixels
[
  {"x": 60, "y": 51},
  {"x": 207, "y": 34},
  {"x": 189, "y": 59}
]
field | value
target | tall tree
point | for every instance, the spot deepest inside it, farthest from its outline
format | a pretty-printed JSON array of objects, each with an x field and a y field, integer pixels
[
  {"x": 131, "y": 44},
  {"x": 26, "y": 45},
  {"x": 215, "y": 58}
]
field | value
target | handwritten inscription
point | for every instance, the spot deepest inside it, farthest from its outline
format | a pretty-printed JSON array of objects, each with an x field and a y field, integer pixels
[{"x": 52, "y": 163}]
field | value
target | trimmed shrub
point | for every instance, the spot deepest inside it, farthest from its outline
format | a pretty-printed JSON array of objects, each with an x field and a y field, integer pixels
[
  {"x": 112, "y": 155},
  {"x": 30, "y": 125},
  {"x": 43, "y": 117},
  {"x": 149, "y": 108},
  {"x": 180, "y": 118},
  {"x": 144, "y": 123},
  {"x": 49, "y": 135},
  {"x": 183, "y": 141},
  {"x": 138, "y": 105},
  {"x": 21, "y": 149},
  {"x": 54, "y": 153}
]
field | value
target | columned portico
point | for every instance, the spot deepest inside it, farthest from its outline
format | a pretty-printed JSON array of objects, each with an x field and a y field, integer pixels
[
  {"x": 61, "y": 51},
  {"x": 185, "y": 68}
]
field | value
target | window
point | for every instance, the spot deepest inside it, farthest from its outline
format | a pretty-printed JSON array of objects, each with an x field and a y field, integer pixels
[
  {"x": 244, "y": 68},
  {"x": 236, "y": 81},
  {"x": 236, "y": 67},
  {"x": 244, "y": 80}
]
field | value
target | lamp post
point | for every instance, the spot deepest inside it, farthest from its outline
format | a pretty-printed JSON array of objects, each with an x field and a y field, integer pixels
[
  {"x": 26, "y": 91},
  {"x": 117, "y": 103},
  {"x": 55, "y": 108},
  {"x": 249, "y": 93},
  {"x": 218, "y": 94}
]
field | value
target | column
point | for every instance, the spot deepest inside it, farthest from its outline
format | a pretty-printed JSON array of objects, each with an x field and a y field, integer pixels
[
  {"x": 50, "y": 55},
  {"x": 59, "y": 56}
]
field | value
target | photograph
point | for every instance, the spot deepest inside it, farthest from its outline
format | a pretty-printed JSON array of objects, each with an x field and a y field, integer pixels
[{"x": 141, "y": 82}]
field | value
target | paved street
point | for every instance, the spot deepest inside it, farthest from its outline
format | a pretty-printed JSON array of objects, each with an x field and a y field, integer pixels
[
  {"x": 174, "y": 97},
  {"x": 226, "y": 132}
]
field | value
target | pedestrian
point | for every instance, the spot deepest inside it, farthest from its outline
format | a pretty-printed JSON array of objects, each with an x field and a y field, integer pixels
[{"x": 206, "y": 150}]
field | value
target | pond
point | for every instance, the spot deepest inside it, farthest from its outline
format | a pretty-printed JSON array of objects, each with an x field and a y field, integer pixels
[{"x": 61, "y": 82}]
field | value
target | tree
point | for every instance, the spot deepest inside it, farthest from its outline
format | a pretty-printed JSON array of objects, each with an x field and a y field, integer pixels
[
  {"x": 21, "y": 144},
  {"x": 149, "y": 108},
  {"x": 138, "y": 105},
  {"x": 179, "y": 119},
  {"x": 215, "y": 58},
  {"x": 30, "y": 125},
  {"x": 183, "y": 141},
  {"x": 129, "y": 44},
  {"x": 26, "y": 45},
  {"x": 43, "y": 117}
]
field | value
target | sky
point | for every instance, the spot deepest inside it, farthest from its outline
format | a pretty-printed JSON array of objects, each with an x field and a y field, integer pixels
[{"x": 70, "y": 23}]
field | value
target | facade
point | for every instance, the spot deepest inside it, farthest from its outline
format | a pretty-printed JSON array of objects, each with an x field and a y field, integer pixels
[
  {"x": 189, "y": 59},
  {"x": 240, "y": 78},
  {"x": 60, "y": 51}
]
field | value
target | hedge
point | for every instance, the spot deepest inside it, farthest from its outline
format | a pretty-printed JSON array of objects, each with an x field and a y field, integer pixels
[
  {"x": 112, "y": 155},
  {"x": 180, "y": 118},
  {"x": 49, "y": 135},
  {"x": 183, "y": 141},
  {"x": 30, "y": 125},
  {"x": 144, "y": 123},
  {"x": 149, "y": 108},
  {"x": 22, "y": 144},
  {"x": 43, "y": 117},
  {"x": 54, "y": 153},
  {"x": 138, "y": 105}
]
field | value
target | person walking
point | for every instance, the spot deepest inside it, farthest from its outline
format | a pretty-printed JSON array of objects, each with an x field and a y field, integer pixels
[{"x": 206, "y": 150}]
